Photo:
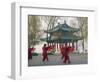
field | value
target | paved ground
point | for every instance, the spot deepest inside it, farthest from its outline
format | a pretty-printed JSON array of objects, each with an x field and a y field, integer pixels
[{"x": 56, "y": 60}]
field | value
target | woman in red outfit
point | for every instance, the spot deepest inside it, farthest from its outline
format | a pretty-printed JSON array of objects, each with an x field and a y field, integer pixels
[
  {"x": 44, "y": 54},
  {"x": 62, "y": 52},
  {"x": 66, "y": 54},
  {"x": 30, "y": 51}
]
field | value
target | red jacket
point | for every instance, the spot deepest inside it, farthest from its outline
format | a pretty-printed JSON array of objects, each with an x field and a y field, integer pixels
[
  {"x": 66, "y": 50},
  {"x": 30, "y": 50},
  {"x": 45, "y": 50}
]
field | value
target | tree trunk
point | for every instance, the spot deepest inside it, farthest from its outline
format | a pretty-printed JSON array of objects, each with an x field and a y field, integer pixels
[{"x": 83, "y": 45}]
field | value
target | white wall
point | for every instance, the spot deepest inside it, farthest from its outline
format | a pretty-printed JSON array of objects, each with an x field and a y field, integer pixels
[{"x": 5, "y": 34}]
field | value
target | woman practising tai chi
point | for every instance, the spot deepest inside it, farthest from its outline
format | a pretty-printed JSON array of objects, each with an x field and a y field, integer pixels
[
  {"x": 66, "y": 54},
  {"x": 44, "y": 54}
]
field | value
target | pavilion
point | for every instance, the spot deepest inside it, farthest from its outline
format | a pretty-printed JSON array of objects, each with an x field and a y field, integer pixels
[{"x": 63, "y": 33}]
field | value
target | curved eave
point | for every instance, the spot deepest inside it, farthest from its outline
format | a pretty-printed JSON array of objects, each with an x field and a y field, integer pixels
[
  {"x": 63, "y": 30},
  {"x": 63, "y": 40}
]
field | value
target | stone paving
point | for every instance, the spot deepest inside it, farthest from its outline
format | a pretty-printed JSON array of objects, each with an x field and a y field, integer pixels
[{"x": 56, "y": 60}]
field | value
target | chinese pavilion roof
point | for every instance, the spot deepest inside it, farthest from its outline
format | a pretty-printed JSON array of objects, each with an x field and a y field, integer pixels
[
  {"x": 62, "y": 33},
  {"x": 64, "y": 39},
  {"x": 63, "y": 28}
]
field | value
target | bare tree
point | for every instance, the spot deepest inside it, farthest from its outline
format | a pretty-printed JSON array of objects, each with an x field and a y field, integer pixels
[
  {"x": 50, "y": 22},
  {"x": 83, "y": 25},
  {"x": 33, "y": 29}
]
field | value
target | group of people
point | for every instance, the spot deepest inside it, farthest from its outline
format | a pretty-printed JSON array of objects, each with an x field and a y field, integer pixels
[{"x": 65, "y": 51}]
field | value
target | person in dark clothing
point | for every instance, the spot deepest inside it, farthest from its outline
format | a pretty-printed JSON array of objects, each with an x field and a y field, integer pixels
[
  {"x": 30, "y": 53},
  {"x": 44, "y": 54},
  {"x": 66, "y": 54}
]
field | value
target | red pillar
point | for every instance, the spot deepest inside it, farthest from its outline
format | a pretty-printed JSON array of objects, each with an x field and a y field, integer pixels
[
  {"x": 48, "y": 44},
  {"x": 76, "y": 46},
  {"x": 51, "y": 44},
  {"x": 69, "y": 43},
  {"x": 72, "y": 44},
  {"x": 57, "y": 46}
]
